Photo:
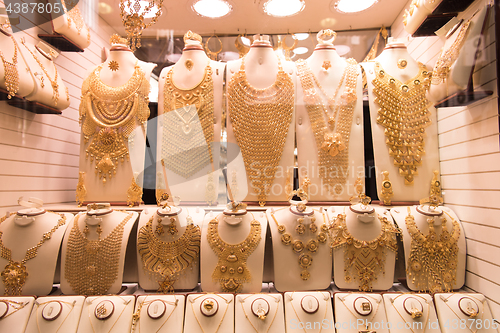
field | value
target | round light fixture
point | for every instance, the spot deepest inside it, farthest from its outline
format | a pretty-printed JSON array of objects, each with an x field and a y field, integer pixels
[
  {"x": 150, "y": 14},
  {"x": 301, "y": 36},
  {"x": 283, "y": 8},
  {"x": 301, "y": 50},
  {"x": 349, "y": 6},
  {"x": 212, "y": 8},
  {"x": 104, "y": 8}
]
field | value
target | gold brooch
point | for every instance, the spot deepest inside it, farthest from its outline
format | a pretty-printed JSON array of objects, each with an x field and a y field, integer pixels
[
  {"x": 402, "y": 63},
  {"x": 113, "y": 65}
]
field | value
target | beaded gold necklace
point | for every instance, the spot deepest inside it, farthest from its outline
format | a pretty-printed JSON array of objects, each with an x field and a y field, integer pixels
[
  {"x": 404, "y": 115},
  {"x": 109, "y": 115},
  {"x": 231, "y": 270},
  {"x": 332, "y": 137},
  {"x": 92, "y": 265},
  {"x": 11, "y": 75},
  {"x": 433, "y": 260},
  {"x": 167, "y": 260},
  {"x": 188, "y": 126},
  {"x": 364, "y": 261},
  {"x": 261, "y": 119},
  {"x": 74, "y": 15}
]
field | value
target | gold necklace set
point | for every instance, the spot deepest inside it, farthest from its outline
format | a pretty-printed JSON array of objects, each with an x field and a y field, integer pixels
[
  {"x": 92, "y": 265},
  {"x": 11, "y": 75},
  {"x": 109, "y": 115},
  {"x": 167, "y": 260},
  {"x": 52, "y": 320},
  {"x": 433, "y": 260},
  {"x": 261, "y": 119},
  {"x": 331, "y": 136},
  {"x": 15, "y": 273},
  {"x": 231, "y": 271},
  {"x": 136, "y": 317},
  {"x": 188, "y": 133},
  {"x": 404, "y": 115},
  {"x": 364, "y": 261},
  {"x": 75, "y": 16},
  {"x": 443, "y": 65}
]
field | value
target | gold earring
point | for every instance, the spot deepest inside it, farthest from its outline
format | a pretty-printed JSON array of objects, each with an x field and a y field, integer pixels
[
  {"x": 386, "y": 192},
  {"x": 213, "y": 54},
  {"x": 300, "y": 228},
  {"x": 313, "y": 227},
  {"x": 159, "y": 228},
  {"x": 81, "y": 190},
  {"x": 172, "y": 228}
]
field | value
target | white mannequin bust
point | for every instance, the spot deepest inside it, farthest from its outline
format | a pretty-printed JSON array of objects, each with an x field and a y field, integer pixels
[
  {"x": 420, "y": 214},
  {"x": 60, "y": 313},
  {"x": 262, "y": 312},
  {"x": 363, "y": 223},
  {"x": 307, "y": 309},
  {"x": 15, "y": 312},
  {"x": 361, "y": 312},
  {"x": 188, "y": 72},
  {"x": 394, "y": 53},
  {"x": 109, "y": 313},
  {"x": 109, "y": 222},
  {"x": 117, "y": 71},
  {"x": 189, "y": 277},
  {"x": 417, "y": 13},
  {"x": 261, "y": 70},
  {"x": 209, "y": 313},
  {"x": 328, "y": 68},
  {"x": 233, "y": 227},
  {"x": 71, "y": 25},
  {"x": 26, "y": 229},
  {"x": 159, "y": 313},
  {"x": 288, "y": 271}
]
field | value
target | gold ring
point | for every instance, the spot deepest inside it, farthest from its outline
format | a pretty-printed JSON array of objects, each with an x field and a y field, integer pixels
[
  {"x": 322, "y": 35},
  {"x": 192, "y": 36}
]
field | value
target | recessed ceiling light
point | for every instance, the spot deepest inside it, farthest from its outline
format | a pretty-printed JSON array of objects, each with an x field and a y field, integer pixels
[
  {"x": 283, "y": 8},
  {"x": 300, "y": 50},
  {"x": 349, "y": 6},
  {"x": 144, "y": 4},
  {"x": 212, "y": 8},
  {"x": 301, "y": 36}
]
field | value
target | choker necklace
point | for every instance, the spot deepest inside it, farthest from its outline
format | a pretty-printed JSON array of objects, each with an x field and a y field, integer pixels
[
  {"x": 331, "y": 136},
  {"x": 231, "y": 270},
  {"x": 433, "y": 260},
  {"x": 261, "y": 119},
  {"x": 92, "y": 265},
  {"x": 298, "y": 246},
  {"x": 364, "y": 260},
  {"x": 11, "y": 75},
  {"x": 136, "y": 318},
  {"x": 404, "y": 115},
  {"x": 167, "y": 260},
  {"x": 15, "y": 273},
  {"x": 188, "y": 125}
]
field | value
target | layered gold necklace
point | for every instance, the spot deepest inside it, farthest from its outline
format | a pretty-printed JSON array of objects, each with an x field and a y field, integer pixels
[
  {"x": 261, "y": 119},
  {"x": 364, "y": 261},
  {"x": 404, "y": 115},
  {"x": 11, "y": 75},
  {"x": 188, "y": 133},
  {"x": 15, "y": 273},
  {"x": 109, "y": 115},
  {"x": 332, "y": 137},
  {"x": 231, "y": 270},
  {"x": 433, "y": 260},
  {"x": 92, "y": 265},
  {"x": 167, "y": 260},
  {"x": 75, "y": 16}
]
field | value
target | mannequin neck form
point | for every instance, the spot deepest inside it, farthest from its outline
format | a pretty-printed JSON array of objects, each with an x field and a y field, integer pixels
[
  {"x": 198, "y": 56},
  {"x": 428, "y": 212},
  {"x": 173, "y": 211},
  {"x": 363, "y": 229},
  {"x": 394, "y": 52},
  {"x": 321, "y": 54},
  {"x": 364, "y": 213},
  {"x": 43, "y": 53},
  {"x": 123, "y": 57},
  {"x": 261, "y": 55},
  {"x": 6, "y": 33},
  {"x": 25, "y": 217}
]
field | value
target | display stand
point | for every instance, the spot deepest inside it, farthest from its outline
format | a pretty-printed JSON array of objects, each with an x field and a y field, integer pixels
[
  {"x": 15, "y": 312},
  {"x": 259, "y": 313},
  {"x": 309, "y": 312},
  {"x": 359, "y": 312},
  {"x": 158, "y": 313},
  {"x": 209, "y": 313},
  {"x": 107, "y": 314},
  {"x": 55, "y": 314}
]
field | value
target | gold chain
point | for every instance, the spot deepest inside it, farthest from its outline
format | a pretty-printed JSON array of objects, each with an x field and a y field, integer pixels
[
  {"x": 117, "y": 319},
  {"x": 445, "y": 301},
  {"x": 15, "y": 304},
  {"x": 15, "y": 273},
  {"x": 167, "y": 260},
  {"x": 297, "y": 315},
  {"x": 332, "y": 136},
  {"x": 272, "y": 321},
  {"x": 11, "y": 75},
  {"x": 364, "y": 260},
  {"x": 432, "y": 263},
  {"x": 404, "y": 115},
  {"x": 92, "y": 265},
  {"x": 223, "y": 316},
  {"x": 261, "y": 119},
  {"x": 72, "y": 305},
  {"x": 188, "y": 133},
  {"x": 231, "y": 270},
  {"x": 426, "y": 321},
  {"x": 136, "y": 318}
]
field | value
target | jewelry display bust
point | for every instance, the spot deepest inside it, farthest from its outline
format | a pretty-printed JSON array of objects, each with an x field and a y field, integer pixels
[
  {"x": 107, "y": 314},
  {"x": 328, "y": 116},
  {"x": 261, "y": 99},
  {"x": 55, "y": 314},
  {"x": 190, "y": 110},
  {"x": 232, "y": 250},
  {"x": 71, "y": 24},
  {"x": 395, "y": 73},
  {"x": 363, "y": 313},
  {"x": 14, "y": 313},
  {"x": 158, "y": 313},
  {"x": 307, "y": 309},
  {"x": 209, "y": 313},
  {"x": 93, "y": 251},
  {"x": 259, "y": 313}
]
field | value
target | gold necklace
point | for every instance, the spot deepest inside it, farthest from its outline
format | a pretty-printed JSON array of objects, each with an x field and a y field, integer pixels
[
  {"x": 445, "y": 301},
  {"x": 364, "y": 260},
  {"x": 298, "y": 246},
  {"x": 117, "y": 319},
  {"x": 72, "y": 305},
  {"x": 261, "y": 119},
  {"x": 75, "y": 16},
  {"x": 188, "y": 133},
  {"x": 248, "y": 318},
  {"x": 297, "y": 315},
  {"x": 447, "y": 58},
  {"x": 53, "y": 82},
  {"x": 426, "y": 321},
  {"x": 92, "y": 265},
  {"x": 342, "y": 299},
  {"x": 231, "y": 270},
  {"x": 17, "y": 306},
  {"x": 136, "y": 318},
  {"x": 167, "y": 260},
  {"x": 332, "y": 137},
  {"x": 109, "y": 115},
  {"x": 223, "y": 316},
  {"x": 15, "y": 273},
  {"x": 432, "y": 263},
  {"x": 404, "y": 115},
  {"x": 11, "y": 75}
]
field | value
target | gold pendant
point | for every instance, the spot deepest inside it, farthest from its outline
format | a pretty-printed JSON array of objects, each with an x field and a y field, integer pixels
[
  {"x": 333, "y": 144},
  {"x": 402, "y": 63},
  {"x": 81, "y": 190},
  {"x": 189, "y": 64},
  {"x": 326, "y": 64},
  {"x": 134, "y": 194},
  {"x": 386, "y": 193},
  {"x": 14, "y": 277},
  {"x": 113, "y": 65}
]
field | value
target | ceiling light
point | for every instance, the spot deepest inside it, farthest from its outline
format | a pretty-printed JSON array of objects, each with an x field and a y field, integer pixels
[
  {"x": 328, "y": 22},
  {"x": 301, "y": 36},
  {"x": 300, "y": 50},
  {"x": 283, "y": 8},
  {"x": 142, "y": 12},
  {"x": 349, "y": 6},
  {"x": 104, "y": 8},
  {"x": 212, "y": 8}
]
